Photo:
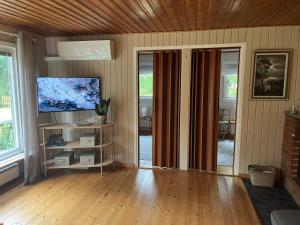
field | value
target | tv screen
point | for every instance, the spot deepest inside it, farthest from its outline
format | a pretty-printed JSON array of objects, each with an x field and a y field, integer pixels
[{"x": 59, "y": 94}]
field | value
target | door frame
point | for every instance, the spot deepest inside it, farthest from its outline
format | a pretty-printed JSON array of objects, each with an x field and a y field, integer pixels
[{"x": 185, "y": 97}]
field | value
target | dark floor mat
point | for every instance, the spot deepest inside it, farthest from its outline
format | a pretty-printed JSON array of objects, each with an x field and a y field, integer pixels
[{"x": 265, "y": 200}]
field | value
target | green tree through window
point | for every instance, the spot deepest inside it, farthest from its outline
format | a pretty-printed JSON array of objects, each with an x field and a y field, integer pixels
[
  {"x": 4, "y": 88},
  {"x": 7, "y": 138},
  {"x": 231, "y": 86},
  {"x": 146, "y": 85}
]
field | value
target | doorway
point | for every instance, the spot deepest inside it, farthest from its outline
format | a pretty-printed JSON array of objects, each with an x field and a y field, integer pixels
[
  {"x": 159, "y": 106},
  {"x": 213, "y": 107},
  {"x": 227, "y": 109},
  {"x": 145, "y": 86}
]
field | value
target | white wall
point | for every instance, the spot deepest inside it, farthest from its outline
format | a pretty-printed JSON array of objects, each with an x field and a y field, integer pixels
[
  {"x": 262, "y": 125},
  {"x": 42, "y": 70}
]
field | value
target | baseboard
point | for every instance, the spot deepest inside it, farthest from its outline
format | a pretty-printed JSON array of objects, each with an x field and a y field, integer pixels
[
  {"x": 244, "y": 175},
  {"x": 11, "y": 184},
  {"x": 225, "y": 170},
  {"x": 132, "y": 166},
  {"x": 124, "y": 165}
]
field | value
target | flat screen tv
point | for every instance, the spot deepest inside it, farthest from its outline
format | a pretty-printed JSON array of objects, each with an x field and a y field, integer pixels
[{"x": 60, "y": 94}]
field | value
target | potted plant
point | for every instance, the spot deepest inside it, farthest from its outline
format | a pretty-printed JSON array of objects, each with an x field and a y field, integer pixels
[{"x": 102, "y": 110}]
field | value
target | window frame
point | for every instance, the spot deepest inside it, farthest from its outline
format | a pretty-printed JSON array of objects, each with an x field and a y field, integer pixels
[
  {"x": 226, "y": 98},
  {"x": 11, "y": 48}
]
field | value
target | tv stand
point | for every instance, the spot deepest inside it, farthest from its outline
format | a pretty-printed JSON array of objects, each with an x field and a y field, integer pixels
[
  {"x": 82, "y": 123},
  {"x": 105, "y": 130}
]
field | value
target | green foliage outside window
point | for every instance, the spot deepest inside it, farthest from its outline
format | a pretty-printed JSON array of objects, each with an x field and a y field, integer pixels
[
  {"x": 231, "y": 86},
  {"x": 7, "y": 139},
  {"x": 4, "y": 88},
  {"x": 146, "y": 85}
]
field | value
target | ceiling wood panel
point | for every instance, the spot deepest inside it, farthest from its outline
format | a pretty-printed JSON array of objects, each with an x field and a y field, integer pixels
[{"x": 68, "y": 17}]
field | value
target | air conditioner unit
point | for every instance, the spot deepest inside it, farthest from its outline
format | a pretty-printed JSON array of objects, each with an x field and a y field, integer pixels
[{"x": 86, "y": 50}]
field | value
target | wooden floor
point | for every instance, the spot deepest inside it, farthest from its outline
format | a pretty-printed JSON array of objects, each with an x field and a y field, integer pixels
[{"x": 130, "y": 196}]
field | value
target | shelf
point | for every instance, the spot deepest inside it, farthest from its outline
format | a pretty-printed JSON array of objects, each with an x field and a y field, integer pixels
[
  {"x": 76, "y": 145},
  {"x": 55, "y": 126},
  {"x": 53, "y": 58},
  {"x": 76, "y": 165}
]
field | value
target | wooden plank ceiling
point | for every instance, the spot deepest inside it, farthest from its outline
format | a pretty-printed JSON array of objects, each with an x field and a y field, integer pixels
[{"x": 68, "y": 17}]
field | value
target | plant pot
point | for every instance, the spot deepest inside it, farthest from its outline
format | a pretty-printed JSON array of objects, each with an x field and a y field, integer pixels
[{"x": 102, "y": 119}]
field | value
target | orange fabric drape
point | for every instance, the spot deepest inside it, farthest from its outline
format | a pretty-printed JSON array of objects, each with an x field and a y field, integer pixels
[
  {"x": 166, "y": 95},
  {"x": 205, "y": 85}
]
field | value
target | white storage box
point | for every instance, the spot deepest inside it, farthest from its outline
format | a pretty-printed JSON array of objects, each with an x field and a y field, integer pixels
[
  {"x": 88, "y": 140},
  {"x": 263, "y": 176},
  {"x": 87, "y": 158},
  {"x": 64, "y": 159}
]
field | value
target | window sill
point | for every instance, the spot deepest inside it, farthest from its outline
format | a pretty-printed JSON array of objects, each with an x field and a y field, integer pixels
[
  {"x": 229, "y": 99},
  {"x": 12, "y": 160}
]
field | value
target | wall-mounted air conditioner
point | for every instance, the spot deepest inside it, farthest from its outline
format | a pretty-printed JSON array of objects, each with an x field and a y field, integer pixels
[{"x": 84, "y": 50}]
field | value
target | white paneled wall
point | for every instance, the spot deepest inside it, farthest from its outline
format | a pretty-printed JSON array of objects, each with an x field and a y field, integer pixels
[{"x": 262, "y": 125}]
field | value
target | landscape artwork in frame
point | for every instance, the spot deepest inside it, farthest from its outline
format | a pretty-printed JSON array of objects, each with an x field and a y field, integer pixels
[{"x": 270, "y": 74}]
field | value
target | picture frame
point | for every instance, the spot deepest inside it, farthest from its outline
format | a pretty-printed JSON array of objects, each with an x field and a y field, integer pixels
[{"x": 270, "y": 74}]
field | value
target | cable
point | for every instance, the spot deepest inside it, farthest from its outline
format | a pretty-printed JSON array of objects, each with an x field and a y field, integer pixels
[{"x": 55, "y": 118}]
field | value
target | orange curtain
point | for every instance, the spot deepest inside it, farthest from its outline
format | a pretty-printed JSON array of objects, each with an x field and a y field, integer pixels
[
  {"x": 166, "y": 95},
  {"x": 205, "y": 85}
]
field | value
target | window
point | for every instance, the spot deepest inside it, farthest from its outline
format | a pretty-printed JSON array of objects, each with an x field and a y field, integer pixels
[
  {"x": 146, "y": 85},
  {"x": 9, "y": 122},
  {"x": 146, "y": 75},
  {"x": 230, "y": 87}
]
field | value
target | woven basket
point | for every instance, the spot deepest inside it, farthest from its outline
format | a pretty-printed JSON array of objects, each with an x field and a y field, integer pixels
[{"x": 263, "y": 176}]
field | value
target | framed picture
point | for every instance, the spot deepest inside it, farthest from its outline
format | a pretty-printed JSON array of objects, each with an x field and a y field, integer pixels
[{"x": 270, "y": 74}]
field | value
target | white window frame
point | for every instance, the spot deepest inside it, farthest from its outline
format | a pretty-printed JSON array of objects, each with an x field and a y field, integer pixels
[
  {"x": 11, "y": 48},
  {"x": 226, "y": 98}
]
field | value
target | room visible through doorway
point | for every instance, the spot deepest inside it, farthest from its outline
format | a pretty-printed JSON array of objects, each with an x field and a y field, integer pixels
[
  {"x": 227, "y": 109},
  {"x": 145, "y": 109}
]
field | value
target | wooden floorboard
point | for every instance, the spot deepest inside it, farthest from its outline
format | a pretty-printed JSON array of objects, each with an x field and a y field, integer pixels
[{"x": 130, "y": 196}]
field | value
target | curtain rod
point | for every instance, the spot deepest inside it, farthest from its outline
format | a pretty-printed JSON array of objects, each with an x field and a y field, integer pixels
[{"x": 9, "y": 34}]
